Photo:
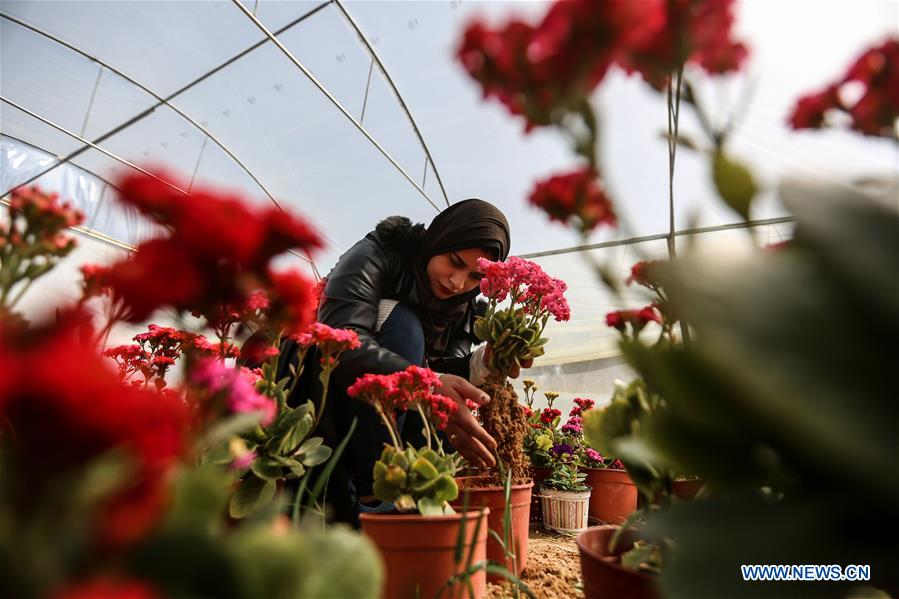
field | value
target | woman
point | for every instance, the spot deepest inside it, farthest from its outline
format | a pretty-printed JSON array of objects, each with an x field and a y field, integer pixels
[{"x": 409, "y": 293}]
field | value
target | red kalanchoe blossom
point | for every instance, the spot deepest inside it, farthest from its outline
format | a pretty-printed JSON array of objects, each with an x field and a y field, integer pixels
[
  {"x": 95, "y": 280},
  {"x": 617, "y": 465},
  {"x": 379, "y": 390},
  {"x": 810, "y": 110},
  {"x": 537, "y": 70},
  {"x": 237, "y": 387},
  {"x": 577, "y": 198},
  {"x": 638, "y": 319},
  {"x": 528, "y": 412},
  {"x": 642, "y": 273},
  {"x": 472, "y": 406},
  {"x": 695, "y": 32},
  {"x": 876, "y": 110},
  {"x": 440, "y": 408},
  {"x": 215, "y": 258},
  {"x": 330, "y": 342},
  {"x": 581, "y": 405},
  {"x": 549, "y": 415},
  {"x": 50, "y": 371}
]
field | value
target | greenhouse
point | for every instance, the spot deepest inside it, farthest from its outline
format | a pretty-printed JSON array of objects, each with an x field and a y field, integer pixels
[{"x": 445, "y": 298}]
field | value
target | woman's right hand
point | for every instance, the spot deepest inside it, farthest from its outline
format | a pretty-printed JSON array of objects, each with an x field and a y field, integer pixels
[{"x": 467, "y": 436}]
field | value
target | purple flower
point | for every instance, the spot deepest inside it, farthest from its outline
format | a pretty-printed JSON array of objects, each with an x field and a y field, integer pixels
[
  {"x": 574, "y": 426},
  {"x": 562, "y": 449}
]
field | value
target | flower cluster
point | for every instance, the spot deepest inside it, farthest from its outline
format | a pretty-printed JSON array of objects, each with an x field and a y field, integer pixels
[
  {"x": 330, "y": 341},
  {"x": 540, "y": 71},
  {"x": 51, "y": 372},
  {"x": 581, "y": 405},
  {"x": 217, "y": 254},
  {"x": 644, "y": 273},
  {"x": 236, "y": 386},
  {"x": 33, "y": 239},
  {"x": 575, "y": 198},
  {"x": 549, "y": 415},
  {"x": 400, "y": 391},
  {"x": 873, "y": 111}
]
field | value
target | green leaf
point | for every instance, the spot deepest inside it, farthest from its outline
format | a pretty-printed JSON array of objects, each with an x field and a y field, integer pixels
[
  {"x": 252, "y": 495},
  {"x": 446, "y": 488},
  {"x": 309, "y": 444},
  {"x": 430, "y": 507},
  {"x": 385, "y": 491},
  {"x": 232, "y": 426},
  {"x": 734, "y": 183},
  {"x": 424, "y": 469},
  {"x": 317, "y": 456},
  {"x": 267, "y": 468}
]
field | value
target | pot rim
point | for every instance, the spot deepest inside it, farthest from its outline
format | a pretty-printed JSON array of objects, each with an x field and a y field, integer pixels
[
  {"x": 397, "y": 518},
  {"x": 606, "y": 559},
  {"x": 559, "y": 493},
  {"x": 493, "y": 488}
]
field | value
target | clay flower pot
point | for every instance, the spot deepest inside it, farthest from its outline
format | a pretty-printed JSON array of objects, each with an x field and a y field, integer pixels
[
  {"x": 419, "y": 552},
  {"x": 686, "y": 488},
  {"x": 539, "y": 475},
  {"x": 604, "y": 578},
  {"x": 493, "y": 498},
  {"x": 614, "y": 496},
  {"x": 564, "y": 511}
]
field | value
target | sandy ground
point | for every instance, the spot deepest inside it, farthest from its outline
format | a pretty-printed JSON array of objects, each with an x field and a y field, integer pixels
[{"x": 553, "y": 570}]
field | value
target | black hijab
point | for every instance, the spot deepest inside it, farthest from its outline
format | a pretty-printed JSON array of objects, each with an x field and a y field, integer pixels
[{"x": 468, "y": 224}]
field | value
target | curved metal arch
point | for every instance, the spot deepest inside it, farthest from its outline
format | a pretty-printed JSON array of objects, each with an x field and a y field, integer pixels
[
  {"x": 249, "y": 14},
  {"x": 160, "y": 100},
  {"x": 115, "y": 157},
  {"x": 396, "y": 92},
  {"x": 88, "y": 231}
]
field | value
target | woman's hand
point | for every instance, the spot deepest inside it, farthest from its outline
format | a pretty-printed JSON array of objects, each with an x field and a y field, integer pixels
[
  {"x": 488, "y": 351},
  {"x": 467, "y": 436}
]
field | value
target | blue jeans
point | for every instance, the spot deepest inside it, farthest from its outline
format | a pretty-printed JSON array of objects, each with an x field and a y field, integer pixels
[{"x": 402, "y": 334}]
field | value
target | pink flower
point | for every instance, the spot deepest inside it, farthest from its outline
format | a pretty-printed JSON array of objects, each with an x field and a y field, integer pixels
[
  {"x": 574, "y": 426},
  {"x": 243, "y": 462},
  {"x": 331, "y": 342},
  {"x": 440, "y": 407},
  {"x": 241, "y": 396},
  {"x": 593, "y": 455}
]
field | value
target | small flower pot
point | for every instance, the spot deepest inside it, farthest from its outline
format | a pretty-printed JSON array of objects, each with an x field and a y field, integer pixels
[
  {"x": 564, "y": 511},
  {"x": 603, "y": 576},
  {"x": 540, "y": 474},
  {"x": 686, "y": 489},
  {"x": 494, "y": 498},
  {"x": 419, "y": 552},
  {"x": 614, "y": 496}
]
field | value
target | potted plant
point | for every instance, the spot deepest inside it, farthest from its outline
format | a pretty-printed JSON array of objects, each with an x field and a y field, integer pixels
[
  {"x": 513, "y": 336},
  {"x": 564, "y": 497},
  {"x": 418, "y": 539}
]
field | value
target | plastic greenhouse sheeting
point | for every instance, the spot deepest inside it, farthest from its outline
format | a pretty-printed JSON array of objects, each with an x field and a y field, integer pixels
[{"x": 199, "y": 88}]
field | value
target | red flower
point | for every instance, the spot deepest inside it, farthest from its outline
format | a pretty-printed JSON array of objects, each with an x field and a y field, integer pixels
[
  {"x": 96, "y": 280},
  {"x": 379, "y": 389},
  {"x": 291, "y": 300},
  {"x": 440, "y": 407},
  {"x": 50, "y": 372},
  {"x": 536, "y": 70},
  {"x": 642, "y": 273},
  {"x": 876, "y": 110},
  {"x": 574, "y": 196},
  {"x": 216, "y": 258},
  {"x": 638, "y": 319},
  {"x": 331, "y": 342},
  {"x": 810, "y": 110},
  {"x": 549, "y": 415},
  {"x": 695, "y": 31}
]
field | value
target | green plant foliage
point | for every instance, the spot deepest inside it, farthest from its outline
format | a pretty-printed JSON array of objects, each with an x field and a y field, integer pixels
[
  {"x": 414, "y": 479},
  {"x": 786, "y": 404}
]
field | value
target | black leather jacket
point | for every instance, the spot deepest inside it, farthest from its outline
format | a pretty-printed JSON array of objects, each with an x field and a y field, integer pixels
[{"x": 377, "y": 268}]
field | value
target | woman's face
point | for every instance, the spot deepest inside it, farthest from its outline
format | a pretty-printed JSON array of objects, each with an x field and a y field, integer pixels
[{"x": 455, "y": 272}]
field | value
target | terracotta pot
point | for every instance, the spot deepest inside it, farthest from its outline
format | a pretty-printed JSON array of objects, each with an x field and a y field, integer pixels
[
  {"x": 614, "y": 496},
  {"x": 419, "y": 552},
  {"x": 540, "y": 474},
  {"x": 564, "y": 511},
  {"x": 604, "y": 578},
  {"x": 494, "y": 498}
]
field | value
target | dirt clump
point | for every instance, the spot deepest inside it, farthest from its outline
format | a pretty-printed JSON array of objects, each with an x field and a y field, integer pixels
[{"x": 504, "y": 419}]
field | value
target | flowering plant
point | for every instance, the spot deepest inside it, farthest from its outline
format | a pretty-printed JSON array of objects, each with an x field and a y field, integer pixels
[
  {"x": 412, "y": 479},
  {"x": 513, "y": 333}
]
